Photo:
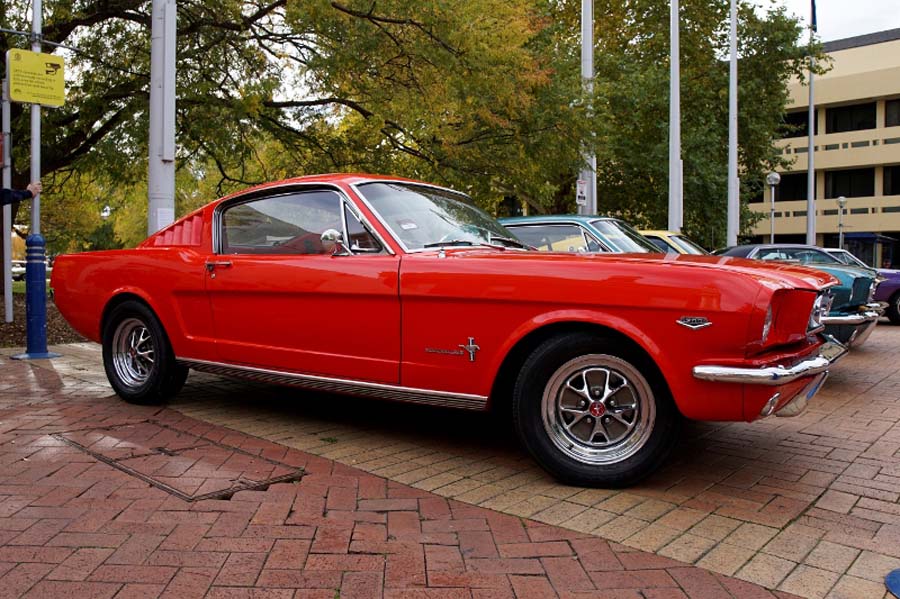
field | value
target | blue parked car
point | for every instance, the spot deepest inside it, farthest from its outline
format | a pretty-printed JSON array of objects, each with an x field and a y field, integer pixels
[
  {"x": 889, "y": 288},
  {"x": 854, "y": 311},
  {"x": 578, "y": 233}
]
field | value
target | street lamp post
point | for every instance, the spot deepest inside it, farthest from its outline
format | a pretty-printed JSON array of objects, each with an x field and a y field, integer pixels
[
  {"x": 773, "y": 179},
  {"x": 842, "y": 201}
]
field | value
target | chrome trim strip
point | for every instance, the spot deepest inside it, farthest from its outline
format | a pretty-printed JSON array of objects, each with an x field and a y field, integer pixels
[
  {"x": 829, "y": 353},
  {"x": 250, "y": 195},
  {"x": 366, "y": 389}
]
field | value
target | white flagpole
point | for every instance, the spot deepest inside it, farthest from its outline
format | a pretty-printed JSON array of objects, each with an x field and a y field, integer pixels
[
  {"x": 675, "y": 198},
  {"x": 734, "y": 202}
]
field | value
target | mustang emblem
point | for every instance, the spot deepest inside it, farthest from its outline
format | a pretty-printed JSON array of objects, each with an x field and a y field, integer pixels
[
  {"x": 694, "y": 322},
  {"x": 469, "y": 347}
]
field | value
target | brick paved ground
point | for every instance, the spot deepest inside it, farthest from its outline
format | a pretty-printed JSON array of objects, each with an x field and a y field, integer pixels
[
  {"x": 809, "y": 505},
  {"x": 102, "y": 499}
]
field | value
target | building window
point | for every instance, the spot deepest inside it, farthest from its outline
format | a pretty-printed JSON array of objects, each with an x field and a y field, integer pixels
[
  {"x": 796, "y": 124},
  {"x": 851, "y": 183},
  {"x": 892, "y": 180},
  {"x": 850, "y": 118},
  {"x": 892, "y": 113},
  {"x": 792, "y": 188}
]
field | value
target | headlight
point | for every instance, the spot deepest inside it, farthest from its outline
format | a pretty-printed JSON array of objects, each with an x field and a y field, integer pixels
[
  {"x": 872, "y": 289},
  {"x": 821, "y": 307},
  {"x": 767, "y": 325}
]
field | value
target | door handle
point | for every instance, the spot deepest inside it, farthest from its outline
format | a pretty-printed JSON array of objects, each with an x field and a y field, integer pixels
[{"x": 211, "y": 266}]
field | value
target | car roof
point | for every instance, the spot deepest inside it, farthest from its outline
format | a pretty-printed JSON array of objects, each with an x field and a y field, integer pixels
[
  {"x": 581, "y": 218},
  {"x": 660, "y": 232}
]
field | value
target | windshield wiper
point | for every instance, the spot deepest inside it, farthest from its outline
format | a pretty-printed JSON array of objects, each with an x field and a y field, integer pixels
[{"x": 448, "y": 242}]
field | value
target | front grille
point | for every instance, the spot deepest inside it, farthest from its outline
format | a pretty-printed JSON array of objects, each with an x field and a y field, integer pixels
[{"x": 861, "y": 286}]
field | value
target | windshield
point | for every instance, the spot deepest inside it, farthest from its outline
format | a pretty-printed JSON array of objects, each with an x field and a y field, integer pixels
[
  {"x": 623, "y": 237},
  {"x": 687, "y": 245},
  {"x": 848, "y": 258},
  {"x": 422, "y": 217},
  {"x": 801, "y": 255}
]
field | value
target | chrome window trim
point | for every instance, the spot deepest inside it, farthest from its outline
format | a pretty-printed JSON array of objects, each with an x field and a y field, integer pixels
[
  {"x": 283, "y": 188},
  {"x": 338, "y": 385},
  {"x": 584, "y": 231}
]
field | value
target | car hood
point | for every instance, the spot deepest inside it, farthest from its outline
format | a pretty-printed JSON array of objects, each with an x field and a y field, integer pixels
[
  {"x": 775, "y": 275},
  {"x": 846, "y": 273}
]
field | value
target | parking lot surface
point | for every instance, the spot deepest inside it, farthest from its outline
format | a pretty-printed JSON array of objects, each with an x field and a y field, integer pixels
[{"x": 808, "y": 505}]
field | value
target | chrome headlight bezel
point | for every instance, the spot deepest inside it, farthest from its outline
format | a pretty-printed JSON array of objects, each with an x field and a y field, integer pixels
[{"x": 821, "y": 308}]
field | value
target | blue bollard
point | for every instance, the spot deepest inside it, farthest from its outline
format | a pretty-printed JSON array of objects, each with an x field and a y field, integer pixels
[
  {"x": 892, "y": 582},
  {"x": 35, "y": 301}
]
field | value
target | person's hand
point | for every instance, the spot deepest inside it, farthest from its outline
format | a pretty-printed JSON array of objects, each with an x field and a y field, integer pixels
[{"x": 35, "y": 188}]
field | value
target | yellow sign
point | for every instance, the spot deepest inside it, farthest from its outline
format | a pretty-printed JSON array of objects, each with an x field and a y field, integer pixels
[{"x": 36, "y": 78}]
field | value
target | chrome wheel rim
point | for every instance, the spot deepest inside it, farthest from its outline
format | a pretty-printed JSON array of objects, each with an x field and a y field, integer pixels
[
  {"x": 133, "y": 353},
  {"x": 598, "y": 409}
]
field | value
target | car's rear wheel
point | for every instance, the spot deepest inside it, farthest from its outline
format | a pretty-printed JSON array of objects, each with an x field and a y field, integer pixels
[
  {"x": 893, "y": 309},
  {"x": 593, "y": 411},
  {"x": 138, "y": 357}
]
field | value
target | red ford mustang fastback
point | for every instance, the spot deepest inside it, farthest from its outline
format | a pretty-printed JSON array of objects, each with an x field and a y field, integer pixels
[{"x": 405, "y": 291}]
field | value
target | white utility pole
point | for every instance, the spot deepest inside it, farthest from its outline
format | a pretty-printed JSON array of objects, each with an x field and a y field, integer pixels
[
  {"x": 734, "y": 189},
  {"x": 676, "y": 217},
  {"x": 7, "y": 210},
  {"x": 811, "y": 147},
  {"x": 161, "y": 183},
  {"x": 37, "y": 23},
  {"x": 589, "y": 173}
]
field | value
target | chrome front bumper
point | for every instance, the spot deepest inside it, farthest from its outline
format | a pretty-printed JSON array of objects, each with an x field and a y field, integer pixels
[
  {"x": 864, "y": 323},
  {"x": 829, "y": 353},
  {"x": 867, "y": 313}
]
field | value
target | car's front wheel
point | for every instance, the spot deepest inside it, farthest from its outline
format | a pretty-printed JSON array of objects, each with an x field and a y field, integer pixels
[
  {"x": 138, "y": 357},
  {"x": 593, "y": 411}
]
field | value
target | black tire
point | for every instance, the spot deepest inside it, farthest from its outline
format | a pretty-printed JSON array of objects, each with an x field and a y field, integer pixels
[
  {"x": 138, "y": 357},
  {"x": 893, "y": 309},
  {"x": 559, "y": 426}
]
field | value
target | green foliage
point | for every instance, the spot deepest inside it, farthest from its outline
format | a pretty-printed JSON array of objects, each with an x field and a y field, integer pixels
[{"x": 481, "y": 95}]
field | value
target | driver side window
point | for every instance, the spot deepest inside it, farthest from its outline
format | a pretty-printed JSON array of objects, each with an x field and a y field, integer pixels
[{"x": 290, "y": 223}]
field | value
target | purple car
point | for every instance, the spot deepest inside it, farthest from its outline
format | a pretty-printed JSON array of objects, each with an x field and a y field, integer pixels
[{"x": 888, "y": 290}]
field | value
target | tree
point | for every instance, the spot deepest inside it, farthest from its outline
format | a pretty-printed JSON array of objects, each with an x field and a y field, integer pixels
[
  {"x": 633, "y": 80},
  {"x": 482, "y": 95}
]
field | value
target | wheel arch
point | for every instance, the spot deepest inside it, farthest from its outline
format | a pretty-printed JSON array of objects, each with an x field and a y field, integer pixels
[
  {"x": 501, "y": 391},
  {"x": 120, "y": 297}
]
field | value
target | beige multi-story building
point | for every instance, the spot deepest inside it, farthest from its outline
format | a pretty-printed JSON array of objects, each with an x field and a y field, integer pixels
[{"x": 857, "y": 153}]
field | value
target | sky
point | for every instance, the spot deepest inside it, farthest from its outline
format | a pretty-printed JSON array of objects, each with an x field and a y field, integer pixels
[{"x": 838, "y": 19}]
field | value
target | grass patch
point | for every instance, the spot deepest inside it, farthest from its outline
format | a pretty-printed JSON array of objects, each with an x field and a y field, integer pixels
[{"x": 19, "y": 287}]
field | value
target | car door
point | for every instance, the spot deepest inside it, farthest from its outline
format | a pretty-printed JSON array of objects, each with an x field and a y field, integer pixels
[{"x": 283, "y": 299}]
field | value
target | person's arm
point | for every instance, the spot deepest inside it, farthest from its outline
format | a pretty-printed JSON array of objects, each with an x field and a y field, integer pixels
[{"x": 10, "y": 196}]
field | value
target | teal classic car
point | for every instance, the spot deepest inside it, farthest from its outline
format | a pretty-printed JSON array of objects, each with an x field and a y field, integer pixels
[
  {"x": 578, "y": 233},
  {"x": 854, "y": 313}
]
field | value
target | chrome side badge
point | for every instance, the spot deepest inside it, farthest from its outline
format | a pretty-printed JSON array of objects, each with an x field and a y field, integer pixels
[
  {"x": 470, "y": 347},
  {"x": 694, "y": 322}
]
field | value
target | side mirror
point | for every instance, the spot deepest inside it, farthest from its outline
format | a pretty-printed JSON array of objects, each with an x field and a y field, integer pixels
[{"x": 333, "y": 241}]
